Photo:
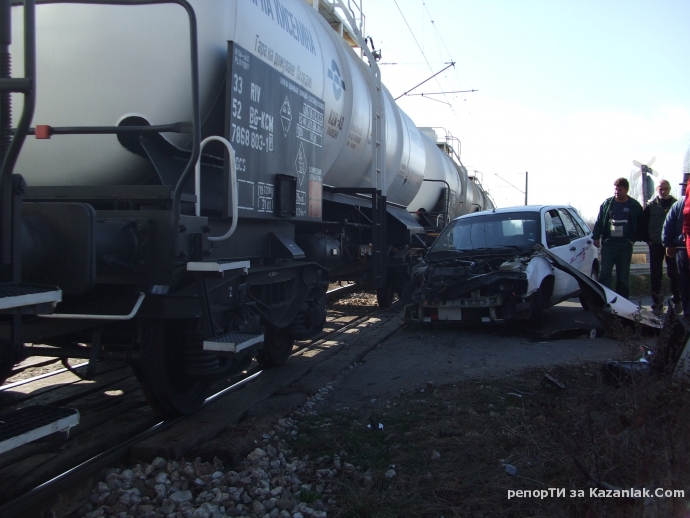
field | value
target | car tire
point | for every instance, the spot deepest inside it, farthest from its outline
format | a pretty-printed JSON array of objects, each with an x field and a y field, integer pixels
[{"x": 595, "y": 277}]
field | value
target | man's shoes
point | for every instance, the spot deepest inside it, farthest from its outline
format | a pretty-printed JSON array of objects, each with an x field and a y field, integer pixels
[
  {"x": 658, "y": 310},
  {"x": 678, "y": 307}
]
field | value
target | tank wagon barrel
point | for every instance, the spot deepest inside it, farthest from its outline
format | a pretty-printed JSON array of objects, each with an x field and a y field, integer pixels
[{"x": 311, "y": 174}]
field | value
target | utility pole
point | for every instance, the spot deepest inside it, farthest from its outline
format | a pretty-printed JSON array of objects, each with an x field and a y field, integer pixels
[{"x": 526, "y": 183}]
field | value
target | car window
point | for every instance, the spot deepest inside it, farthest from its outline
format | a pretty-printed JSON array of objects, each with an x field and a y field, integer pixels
[
  {"x": 481, "y": 234},
  {"x": 519, "y": 229},
  {"x": 580, "y": 221},
  {"x": 554, "y": 228},
  {"x": 446, "y": 239},
  {"x": 573, "y": 229}
]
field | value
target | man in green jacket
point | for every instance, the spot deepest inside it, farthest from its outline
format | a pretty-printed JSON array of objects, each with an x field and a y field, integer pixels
[{"x": 616, "y": 229}]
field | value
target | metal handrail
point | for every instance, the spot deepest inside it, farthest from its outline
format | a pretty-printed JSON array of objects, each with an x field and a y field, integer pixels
[
  {"x": 233, "y": 181},
  {"x": 87, "y": 316},
  {"x": 175, "y": 127},
  {"x": 27, "y": 88},
  {"x": 10, "y": 158}
]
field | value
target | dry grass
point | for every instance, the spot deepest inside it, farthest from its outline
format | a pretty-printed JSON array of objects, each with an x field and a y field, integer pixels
[{"x": 595, "y": 433}]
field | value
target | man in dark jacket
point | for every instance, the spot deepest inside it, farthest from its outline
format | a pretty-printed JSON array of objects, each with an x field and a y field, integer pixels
[
  {"x": 652, "y": 225},
  {"x": 616, "y": 229}
]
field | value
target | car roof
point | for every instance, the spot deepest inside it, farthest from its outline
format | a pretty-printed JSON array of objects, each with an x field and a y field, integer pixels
[{"x": 517, "y": 208}]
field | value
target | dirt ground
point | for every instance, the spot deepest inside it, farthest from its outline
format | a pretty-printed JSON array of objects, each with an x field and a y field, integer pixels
[
  {"x": 502, "y": 420},
  {"x": 493, "y": 420},
  {"x": 449, "y": 353}
]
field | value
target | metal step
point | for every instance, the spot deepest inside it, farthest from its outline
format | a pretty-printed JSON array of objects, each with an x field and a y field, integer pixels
[
  {"x": 217, "y": 266},
  {"x": 232, "y": 343},
  {"x": 33, "y": 422},
  {"x": 21, "y": 295}
]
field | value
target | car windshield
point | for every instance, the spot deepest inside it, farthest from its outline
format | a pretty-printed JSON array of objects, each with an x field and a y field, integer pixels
[{"x": 489, "y": 231}]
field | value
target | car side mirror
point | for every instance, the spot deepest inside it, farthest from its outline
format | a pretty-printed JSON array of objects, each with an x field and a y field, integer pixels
[{"x": 558, "y": 241}]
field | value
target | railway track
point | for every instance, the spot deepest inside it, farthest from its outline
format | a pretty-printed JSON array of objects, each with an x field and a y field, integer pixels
[
  {"x": 38, "y": 368},
  {"x": 114, "y": 415}
]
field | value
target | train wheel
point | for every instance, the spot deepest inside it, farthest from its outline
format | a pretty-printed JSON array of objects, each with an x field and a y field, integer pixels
[
  {"x": 384, "y": 295},
  {"x": 168, "y": 388},
  {"x": 6, "y": 360},
  {"x": 276, "y": 349}
]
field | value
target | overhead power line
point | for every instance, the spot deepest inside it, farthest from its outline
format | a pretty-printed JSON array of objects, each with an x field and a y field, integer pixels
[
  {"x": 413, "y": 36},
  {"x": 432, "y": 99},
  {"x": 438, "y": 34},
  {"x": 506, "y": 181},
  {"x": 444, "y": 93},
  {"x": 452, "y": 64}
]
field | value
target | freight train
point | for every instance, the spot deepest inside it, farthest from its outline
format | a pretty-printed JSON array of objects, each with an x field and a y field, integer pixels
[{"x": 182, "y": 179}]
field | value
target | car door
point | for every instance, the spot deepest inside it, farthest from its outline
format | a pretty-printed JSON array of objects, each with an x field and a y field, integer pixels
[
  {"x": 578, "y": 242},
  {"x": 558, "y": 242},
  {"x": 592, "y": 251}
]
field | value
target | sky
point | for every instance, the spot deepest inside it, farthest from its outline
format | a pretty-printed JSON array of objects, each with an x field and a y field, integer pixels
[{"x": 570, "y": 91}]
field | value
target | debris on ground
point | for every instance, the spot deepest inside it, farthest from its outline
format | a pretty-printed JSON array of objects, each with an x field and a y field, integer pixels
[
  {"x": 510, "y": 469},
  {"x": 550, "y": 380},
  {"x": 620, "y": 371},
  {"x": 443, "y": 447}
]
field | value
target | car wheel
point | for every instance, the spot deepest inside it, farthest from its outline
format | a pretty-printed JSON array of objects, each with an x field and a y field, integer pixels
[{"x": 595, "y": 277}]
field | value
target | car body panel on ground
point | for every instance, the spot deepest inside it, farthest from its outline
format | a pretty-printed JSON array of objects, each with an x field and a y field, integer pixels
[{"x": 608, "y": 306}]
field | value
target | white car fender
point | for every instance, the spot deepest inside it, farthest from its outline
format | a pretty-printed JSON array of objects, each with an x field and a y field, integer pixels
[
  {"x": 604, "y": 300},
  {"x": 537, "y": 270}
]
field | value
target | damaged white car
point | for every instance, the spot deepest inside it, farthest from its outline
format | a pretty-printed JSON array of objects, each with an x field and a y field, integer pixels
[{"x": 484, "y": 266}]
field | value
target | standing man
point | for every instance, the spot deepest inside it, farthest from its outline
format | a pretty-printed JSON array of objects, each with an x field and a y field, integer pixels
[
  {"x": 616, "y": 229},
  {"x": 674, "y": 241},
  {"x": 653, "y": 218}
]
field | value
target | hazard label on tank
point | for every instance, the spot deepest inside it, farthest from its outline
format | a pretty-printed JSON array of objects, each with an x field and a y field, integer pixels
[
  {"x": 301, "y": 165},
  {"x": 286, "y": 116},
  {"x": 258, "y": 96}
]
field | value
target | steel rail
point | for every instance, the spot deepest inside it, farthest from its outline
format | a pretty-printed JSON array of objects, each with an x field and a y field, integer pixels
[
  {"x": 39, "y": 377},
  {"x": 22, "y": 505},
  {"x": 331, "y": 295},
  {"x": 32, "y": 500}
]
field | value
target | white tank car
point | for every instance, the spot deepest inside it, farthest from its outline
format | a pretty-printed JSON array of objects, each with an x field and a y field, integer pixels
[
  {"x": 475, "y": 199},
  {"x": 140, "y": 57},
  {"x": 440, "y": 173}
]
